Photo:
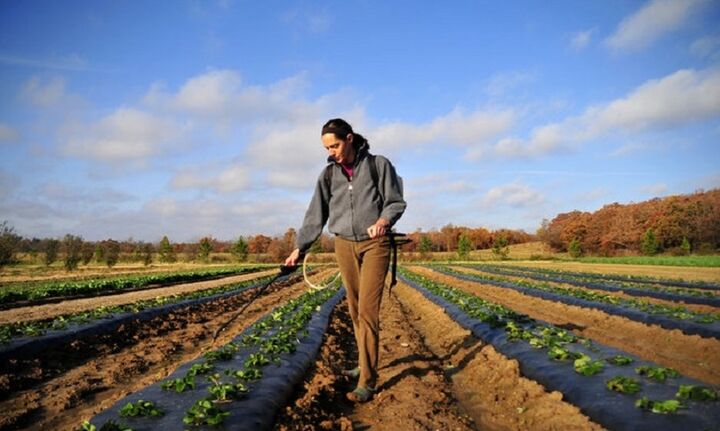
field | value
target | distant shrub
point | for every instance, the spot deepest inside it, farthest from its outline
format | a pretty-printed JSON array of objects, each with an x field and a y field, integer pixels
[
  {"x": 72, "y": 246},
  {"x": 650, "y": 244},
  {"x": 574, "y": 249}
]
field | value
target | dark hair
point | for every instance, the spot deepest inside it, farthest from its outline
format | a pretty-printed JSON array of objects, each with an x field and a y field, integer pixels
[{"x": 341, "y": 128}]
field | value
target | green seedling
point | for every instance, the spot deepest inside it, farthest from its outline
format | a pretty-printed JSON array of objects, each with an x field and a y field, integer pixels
[
  {"x": 696, "y": 393},
  {"x": 204, "y": 412},
  {"x": 661, "y": 407},
  {"x": 140, "y": 408},
  {"x": 179, "y": 385},
  {"x": 586, "y": 366},
  {"x": 622, "y": 384},
  {"x": 659, "y": 374}
]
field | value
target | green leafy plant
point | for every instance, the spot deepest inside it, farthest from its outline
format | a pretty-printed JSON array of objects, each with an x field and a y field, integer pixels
[
  {"x": 620, "y": 360},
  {"x": 586, "y": 366},
  {"x": 107, "y": 426},
  {"x": 659, "y": 374},
  {"x": 622, "y": 384},
  {"x": 141, "y": 408},
  {"x": 204, "y": 412},
  {"x": 696, "y": 393},
  {"x": 662, "y": 407},
  {"x": 201, "y": 368},
  {"x": 179, "y": 385}
]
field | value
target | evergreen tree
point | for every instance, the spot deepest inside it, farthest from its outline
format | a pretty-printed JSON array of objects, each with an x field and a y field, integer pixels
[
  {"x": 425, "y": 246},
  {"x": 649, "y": 243},
  {"x": 500, "y": 247},
  {"x": 167, "y": 254},
  {"x": 574, "y": 249},
  {"x": 464, "y": 247},
  {"x": 240, "y": 249},
  {"x": 685, "y": 246},
  {"x": 205, "y": 247}
]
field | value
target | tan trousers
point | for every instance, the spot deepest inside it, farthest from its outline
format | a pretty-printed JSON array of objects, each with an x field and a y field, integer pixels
[{"x": 364, "y": 266}]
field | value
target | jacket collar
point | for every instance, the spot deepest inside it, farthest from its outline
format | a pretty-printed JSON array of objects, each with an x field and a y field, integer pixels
[{"x": 360, "y": 153}]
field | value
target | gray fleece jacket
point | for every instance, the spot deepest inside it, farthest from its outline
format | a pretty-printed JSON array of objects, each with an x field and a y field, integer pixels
[{"x": 351, "y": 206}]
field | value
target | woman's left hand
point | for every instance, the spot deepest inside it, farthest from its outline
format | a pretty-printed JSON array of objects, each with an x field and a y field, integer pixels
[{"x": 378, "y": 229}]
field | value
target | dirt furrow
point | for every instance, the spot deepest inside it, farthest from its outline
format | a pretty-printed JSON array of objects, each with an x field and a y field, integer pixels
[
  {"x": 692, "y": 355},
  {"x": 487, "y": 384},
  {"x": 413, "y": 393},
  {"x": 72, "y": 389}
]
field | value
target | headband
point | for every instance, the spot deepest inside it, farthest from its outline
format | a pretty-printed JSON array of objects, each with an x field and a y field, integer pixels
[{"x": 341, "y": 131}]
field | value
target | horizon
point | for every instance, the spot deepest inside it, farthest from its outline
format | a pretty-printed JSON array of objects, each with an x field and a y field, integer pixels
[{"x": 495, "y": 115}]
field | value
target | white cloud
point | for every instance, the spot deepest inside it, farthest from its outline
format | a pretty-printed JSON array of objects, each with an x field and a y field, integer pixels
[
  {"x": 501, "y": 83},
  {"x": 230, "y": 179},
  {"x": 513, "y": 194},
  {"x": 706, "y": 47},
  {"x": 456, "y": 129},
  {"x": 221, "y": 96},
  {"x": 127, "y": 134},
  {"x": 654, "y": 20},
  {"x": 44, "y": 93},
  {"x": 683, "y": 97},
  {"x": 7, "y": 133},
  {"x": 655, "y": 189},
  {"x": 629, "y": 148},
  {"x": 581, "y": 39},
  {"x": 71, "y": 62}
]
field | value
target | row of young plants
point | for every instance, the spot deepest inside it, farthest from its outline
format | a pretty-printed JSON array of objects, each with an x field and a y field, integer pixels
[
  {"x": 616, "y": 389},
  {"x": 38, "y": 328},
  {"x": 634, "y": 289},
  {"x": 221, "y": 386},
  {"x": 38, "y": 291},
  {"x": 695, "y": 322},
  {"x": 635, "y": 281}
]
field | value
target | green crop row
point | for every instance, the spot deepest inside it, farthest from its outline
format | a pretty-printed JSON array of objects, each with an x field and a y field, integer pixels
[
  {"x": 626, "y": 283},
  {"x": 37, "y": 328},
  {"x": 278, "y": 332},
  {"x": 35, "y": 291},
  {"x": 676, "y": 312},
  {"x": 558, "y": 343}
]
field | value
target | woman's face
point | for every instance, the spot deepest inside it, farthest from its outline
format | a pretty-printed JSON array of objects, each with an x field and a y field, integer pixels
[{"x": 340, "y": 149}]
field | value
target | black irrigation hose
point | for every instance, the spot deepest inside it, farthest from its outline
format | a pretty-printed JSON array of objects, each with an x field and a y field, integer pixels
[
  {"x": 30, "y": 347},
  {"x": 709, "y": 330},
  {"x": 688, "y": 299},
  {"x": 255, "y": 410},
  {"x": 612, "y": 410}
]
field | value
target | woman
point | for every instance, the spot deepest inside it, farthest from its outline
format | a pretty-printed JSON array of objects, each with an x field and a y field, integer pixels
[{"x": 360, "y": 197}]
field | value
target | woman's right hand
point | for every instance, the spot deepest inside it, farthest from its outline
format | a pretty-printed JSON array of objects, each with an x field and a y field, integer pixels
[{"x": 292, "y": 260}]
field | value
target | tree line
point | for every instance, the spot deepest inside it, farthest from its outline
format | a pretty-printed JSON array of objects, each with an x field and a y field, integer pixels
[
  {"x": 73, "y": 250},
  {"x": 680, "y": 224}
]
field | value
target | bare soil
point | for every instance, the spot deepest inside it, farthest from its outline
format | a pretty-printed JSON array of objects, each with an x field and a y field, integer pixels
[
  {"x": 433, "y": 375},
  {"x": 691, "y": 355},
  {"x": 67, "y": 386}
]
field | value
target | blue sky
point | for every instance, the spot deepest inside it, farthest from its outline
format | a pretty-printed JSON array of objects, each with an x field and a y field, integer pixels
[{"x": 193, "y": 118}]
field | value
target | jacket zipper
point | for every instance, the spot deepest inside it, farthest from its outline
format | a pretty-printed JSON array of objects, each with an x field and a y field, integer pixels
[{"x": 352, "y": 208}]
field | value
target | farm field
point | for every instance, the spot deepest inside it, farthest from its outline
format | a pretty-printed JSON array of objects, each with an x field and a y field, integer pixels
[{"x": 463, "y": 346}]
